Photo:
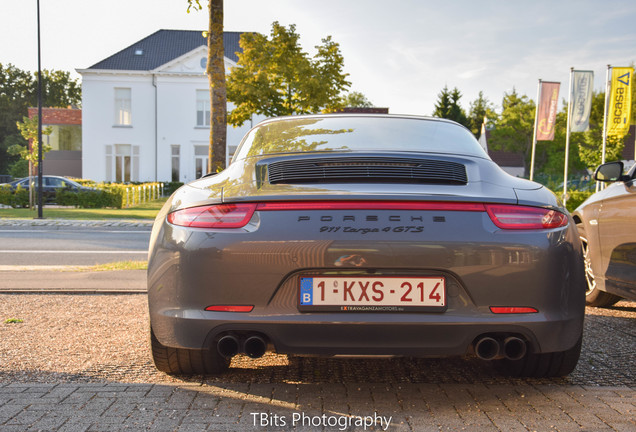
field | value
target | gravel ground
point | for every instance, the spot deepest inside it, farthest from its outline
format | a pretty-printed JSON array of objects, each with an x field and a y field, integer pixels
[{"x": 103, "y": 338}]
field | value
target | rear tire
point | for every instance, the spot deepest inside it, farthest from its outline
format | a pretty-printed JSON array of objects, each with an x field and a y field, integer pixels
[
  {"x": 593, "y": 295},
  {"x": 542, "y": 365},
  {"x": 181, "y": 361}
]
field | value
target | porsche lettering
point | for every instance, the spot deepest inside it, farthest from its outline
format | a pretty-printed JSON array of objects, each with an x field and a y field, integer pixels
[{"x": 367, "y": 218}]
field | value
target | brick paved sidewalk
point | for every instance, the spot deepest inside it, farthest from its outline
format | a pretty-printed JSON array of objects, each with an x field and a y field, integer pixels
[{"x": 322, "y": 407}]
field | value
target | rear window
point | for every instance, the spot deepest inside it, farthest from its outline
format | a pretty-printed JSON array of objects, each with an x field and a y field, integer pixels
[{"x": 346, "y": 133}]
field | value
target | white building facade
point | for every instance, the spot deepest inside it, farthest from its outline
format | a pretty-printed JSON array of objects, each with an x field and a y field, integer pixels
[{"x": 146, "y": 110}]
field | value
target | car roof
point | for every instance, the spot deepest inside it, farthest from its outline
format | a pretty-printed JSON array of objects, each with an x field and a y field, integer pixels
[{"x": 358, "y": 115}]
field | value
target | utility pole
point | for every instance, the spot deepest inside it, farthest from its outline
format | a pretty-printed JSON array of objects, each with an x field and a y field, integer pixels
[{"x": 39, "y": 122}]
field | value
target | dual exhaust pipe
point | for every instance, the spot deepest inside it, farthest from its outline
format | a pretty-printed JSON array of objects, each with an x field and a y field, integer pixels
[
  {"x": 489, "y": 348},
  {"x": 253, "y": 346},
  {"x": 486, "y": 347}
]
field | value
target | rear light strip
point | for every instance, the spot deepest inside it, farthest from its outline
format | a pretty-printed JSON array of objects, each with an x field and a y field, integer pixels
[
  {"x": 237, "y": 215},
  {"x": 371, "y": 205}
]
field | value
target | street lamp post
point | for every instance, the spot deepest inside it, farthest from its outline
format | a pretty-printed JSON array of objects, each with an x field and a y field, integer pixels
[{"x": 39, "y": 121}]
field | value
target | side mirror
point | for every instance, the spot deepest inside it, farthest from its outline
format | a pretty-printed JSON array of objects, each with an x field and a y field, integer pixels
[{"x": 610, "y": 172}]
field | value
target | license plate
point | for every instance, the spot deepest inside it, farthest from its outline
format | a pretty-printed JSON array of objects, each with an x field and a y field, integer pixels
[{"x": 372, "y": 294}]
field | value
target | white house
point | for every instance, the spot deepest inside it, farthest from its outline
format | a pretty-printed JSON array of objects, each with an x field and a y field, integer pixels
[{"x": 146, "y": 110}]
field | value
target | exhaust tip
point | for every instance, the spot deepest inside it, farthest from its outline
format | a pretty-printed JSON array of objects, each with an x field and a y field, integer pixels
[
  {"x": 228, "y": 346},
  {"x": 487, "y": 348},
  {"x": 255, "y": 346},
  {"x": 514, "y": 348}
]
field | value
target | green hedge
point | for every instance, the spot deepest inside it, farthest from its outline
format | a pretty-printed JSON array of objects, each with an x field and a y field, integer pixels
[
  {"x": 89, "y": 199},
  {"x": 15, "y": 199},
  {"x": 576, "y": 198},
  {"x": 169, "y": 188}
]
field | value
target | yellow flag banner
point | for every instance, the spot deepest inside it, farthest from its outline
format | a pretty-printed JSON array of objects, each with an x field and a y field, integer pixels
[{"x": 620, "y": 101}]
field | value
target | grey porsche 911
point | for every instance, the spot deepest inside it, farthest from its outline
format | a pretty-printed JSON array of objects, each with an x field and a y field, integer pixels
[{"x": 365, "y": 235}]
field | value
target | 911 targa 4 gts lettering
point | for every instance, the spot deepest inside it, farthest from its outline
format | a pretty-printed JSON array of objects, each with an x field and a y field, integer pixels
[{"x": 365, "y": 235}]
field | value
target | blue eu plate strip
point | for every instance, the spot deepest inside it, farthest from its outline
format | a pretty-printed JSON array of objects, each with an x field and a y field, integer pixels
[{"x": 306, "y": 291}]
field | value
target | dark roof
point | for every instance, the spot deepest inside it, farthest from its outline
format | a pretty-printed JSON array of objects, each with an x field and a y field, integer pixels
[
  {"x": 506, "y": 159},
  {"x": 163, "y": 46}
]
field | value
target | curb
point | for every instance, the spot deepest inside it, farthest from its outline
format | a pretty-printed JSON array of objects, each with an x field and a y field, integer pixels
[
  {"x": 77, "y": 222},
  {"x": 60, "y": 282}
]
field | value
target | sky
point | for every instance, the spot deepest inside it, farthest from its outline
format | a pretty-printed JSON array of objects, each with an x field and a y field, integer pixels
[{"x": 399, "y": 54}]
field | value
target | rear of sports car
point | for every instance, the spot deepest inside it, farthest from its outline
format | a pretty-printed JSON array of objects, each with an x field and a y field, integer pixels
[{"x": 371, "y": 252}]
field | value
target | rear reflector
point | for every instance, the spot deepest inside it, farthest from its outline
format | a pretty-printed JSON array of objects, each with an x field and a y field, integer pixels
[
  {"x": 512, "y": 310},
  {"x": 214, "y": 216},
  {"x": 515, "y": 217},
  {"x": 230, "y": 308}
]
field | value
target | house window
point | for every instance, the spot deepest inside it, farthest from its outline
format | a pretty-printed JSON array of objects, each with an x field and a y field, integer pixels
[
  {"x": 122, "y": 165},
  {"x": 109, "y": 163},
  {"x": 200, "y": 161},
  {"x": 123, "y": 110},
  {"x": 64, "y": 137},
  {"x": 175, "y": 162},
  {"x": 123, "y": 162},
  {"x": 203, "y": 108}
]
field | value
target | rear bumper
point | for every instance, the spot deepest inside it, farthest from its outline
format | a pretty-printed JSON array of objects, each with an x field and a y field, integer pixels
[
  {"x": 363, "y": 334},
  {"x": 191, "y": 269}
]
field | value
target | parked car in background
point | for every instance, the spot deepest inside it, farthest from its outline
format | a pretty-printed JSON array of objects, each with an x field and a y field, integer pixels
[
  {"x": 607, "y": 226},
  {"x": 581, "y": 184},
  {"x": 365, "y": 235},
  {"x": 50, "y": 185}
]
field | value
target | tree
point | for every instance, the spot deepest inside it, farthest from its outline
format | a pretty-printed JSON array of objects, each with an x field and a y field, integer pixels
[
  {"x": 29, "y": 130},
  {"x": 215, "y": 69},
  {"x": 15, "y": 97},
  {"x": 480, "y": 108},
  {"x": 448, "y": 107},
  {"x": 550, "y": 155},
  {"x": 58, "y": 89},
  {"x": 275, "y": 77},
  {"x": 356, "y": 100},
  {"x": 514, "y": 126},
  {"x": 18, "y": 92},
  {"x": 442, "y": 106}
]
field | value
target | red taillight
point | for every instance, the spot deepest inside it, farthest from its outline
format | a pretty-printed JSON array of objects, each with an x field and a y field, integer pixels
[
  {"x": 230, "y": 308},
  {"x": 214, "y": 216},
  {"x": 524, "y": 218},
  {"x": 512, "y": 310}
]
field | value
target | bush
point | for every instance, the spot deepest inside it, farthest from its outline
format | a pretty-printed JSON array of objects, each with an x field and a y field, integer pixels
[
  {"x": 576, "y": 198},
  {"x": 14, "y": 198},
  {"x": 6, "y": 195},
  {"x": 103, "y": 195},
  {"x": 169, "y": 188},
  {"x": 88, "y": 199},
  {"x": 20, "y": 198}
]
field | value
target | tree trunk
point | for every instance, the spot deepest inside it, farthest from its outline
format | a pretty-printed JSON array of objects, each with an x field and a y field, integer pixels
[{"x": 218, "y": 95}]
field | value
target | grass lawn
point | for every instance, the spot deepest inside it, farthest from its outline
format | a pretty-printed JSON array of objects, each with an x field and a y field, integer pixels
[
  {"x": 119, "y": 265},
  {"x": 144, "y": 211}
]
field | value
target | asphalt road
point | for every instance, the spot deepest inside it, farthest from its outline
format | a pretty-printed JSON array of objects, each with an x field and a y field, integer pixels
[{"x": 73, "y": 246}]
